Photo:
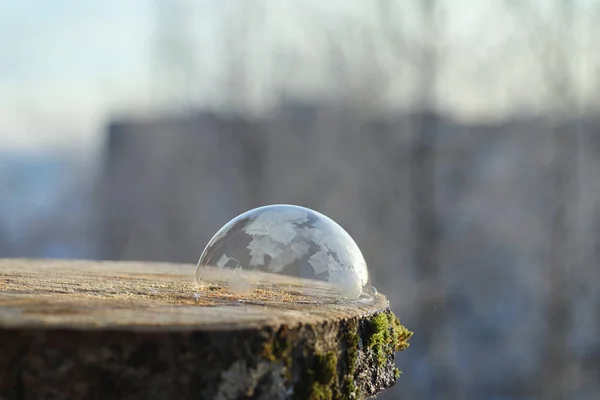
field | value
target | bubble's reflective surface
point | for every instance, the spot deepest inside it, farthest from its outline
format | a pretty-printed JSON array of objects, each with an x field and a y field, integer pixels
[{"x": 290, "y": 240}]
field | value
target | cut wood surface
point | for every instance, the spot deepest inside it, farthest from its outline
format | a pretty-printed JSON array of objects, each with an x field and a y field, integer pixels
[{"x": 133, "y": 330}]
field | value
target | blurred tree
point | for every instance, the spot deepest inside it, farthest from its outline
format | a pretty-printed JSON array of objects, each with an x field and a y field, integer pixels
[
  {"x": 419, "y": 53},
  {"x": 176, "y": 64},
  {"x": 423, "y": 207},
  {"x": 242, "y": 22},
  {"x": 551, "y": 37}
]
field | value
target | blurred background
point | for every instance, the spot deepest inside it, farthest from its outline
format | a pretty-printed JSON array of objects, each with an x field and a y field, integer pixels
[{"x": 457, "y": 141}]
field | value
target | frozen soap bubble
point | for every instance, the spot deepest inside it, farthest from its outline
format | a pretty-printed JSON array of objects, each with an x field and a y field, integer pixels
[{"x": 289, "y": 240}]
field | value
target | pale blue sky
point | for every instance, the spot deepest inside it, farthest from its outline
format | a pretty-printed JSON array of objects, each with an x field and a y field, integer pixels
[{"x": 66, "y": 65}]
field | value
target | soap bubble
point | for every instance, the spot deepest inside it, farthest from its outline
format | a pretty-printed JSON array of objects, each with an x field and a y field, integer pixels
[{"x": 289, "y": 240}]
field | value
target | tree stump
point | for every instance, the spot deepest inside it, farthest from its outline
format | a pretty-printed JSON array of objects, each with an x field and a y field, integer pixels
[{"x": 133, "y": 330}]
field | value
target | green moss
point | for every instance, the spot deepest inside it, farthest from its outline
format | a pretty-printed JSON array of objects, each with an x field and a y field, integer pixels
[
  {"x": 275, "y": 349},
  {"x": 279, "y": 349},
  {"x": 350, "y": 389},
  {"x": 386, "y": 335},
  {"x": 325, "y": 375},
  {"x": 352, "y": 342},
  {"x": 400, "y": 334},
  {"x": 383, "y": 334},
  {"x": 352, "y": 349},
  {"x": 320, "y": 380},
  {"x": 326, "y": 367},
  {"x": 397, "y": 373}
]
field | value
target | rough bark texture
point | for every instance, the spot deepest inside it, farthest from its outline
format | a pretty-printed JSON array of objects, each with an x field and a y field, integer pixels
[{"x": 105, "y": 330}]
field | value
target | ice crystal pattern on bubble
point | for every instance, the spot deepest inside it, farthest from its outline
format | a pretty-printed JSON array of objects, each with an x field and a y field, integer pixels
[{"x": 289, "y": 240}]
